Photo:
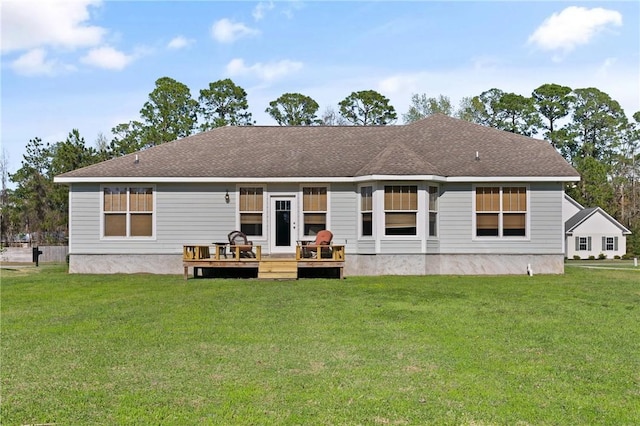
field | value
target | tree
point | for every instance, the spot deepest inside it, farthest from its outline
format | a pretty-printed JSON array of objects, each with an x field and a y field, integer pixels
[
  {"x": 33, "y": 188},
  {"x": 70, "y": 154},
  {"x": 593, "y": 190},
  {"x": 294, "y": 109},
  {"x": 466, "y": 111},
  {"x": 331, "y": 118},
  {"x": 516, "y": 114},
  {"x": 128, "y": 138},
  {"x": 224, "y": 104},
  {"x": 597, "y": 124},
  {"x": 553, "y": 102},
  {"x": 169, "y": 114},
  {"x": 367, "y": 108},
  {"x": 422, "y": 106},
  {"x": 481, "y": 109},
  {"x": 5, "y": 231}
]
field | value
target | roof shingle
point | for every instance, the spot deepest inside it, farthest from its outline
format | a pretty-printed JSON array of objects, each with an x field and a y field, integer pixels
[{"x": 437, "y": 145}]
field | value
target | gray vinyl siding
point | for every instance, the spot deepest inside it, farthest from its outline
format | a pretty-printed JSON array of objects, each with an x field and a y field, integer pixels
[
  {"x": 185, "y": 213},
  {"x": 194, "y": 213},
  {"x": 366, "y": 247},
  {"x": 454, "y": 210},
  {"x": 401, "y": 246},
  {"x": 84, "y": 217},
  {"x": 344, "y": 214},
  {"x": 545, "y": 216},
  {"x": 433, "y": 246},
  {"x": 197, "y": 213}
]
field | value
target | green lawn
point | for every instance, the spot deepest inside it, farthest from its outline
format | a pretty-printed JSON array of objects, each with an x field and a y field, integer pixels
[{"x": 143, "y": 349}]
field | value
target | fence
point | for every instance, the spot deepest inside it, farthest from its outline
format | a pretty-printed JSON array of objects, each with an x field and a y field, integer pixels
[{"x": 25, "y": 254}]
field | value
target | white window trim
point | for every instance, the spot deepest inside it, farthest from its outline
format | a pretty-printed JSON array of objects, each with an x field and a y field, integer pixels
[
  {"x": 301, "y": 210},
  {"x": 500, "y": 237},
  {"x": 154, "y": 214},
  {"x": 373, "y": 209},
  {"x": 437, "y": 211},
  {"x": 264, "y": 207},
  {"x": 420, "y": 215}
]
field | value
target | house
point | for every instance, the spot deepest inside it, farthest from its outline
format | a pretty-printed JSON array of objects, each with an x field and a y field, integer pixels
[
  {"x": 438, "y": 196},
  {"x": 592, "y": 232}
]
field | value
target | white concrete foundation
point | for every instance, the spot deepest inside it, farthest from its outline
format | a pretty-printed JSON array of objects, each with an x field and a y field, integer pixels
[
  {"x": 453, "y": 264},
  {"x": 125, "y": 264},
  {"x": 410, "y": 264}
]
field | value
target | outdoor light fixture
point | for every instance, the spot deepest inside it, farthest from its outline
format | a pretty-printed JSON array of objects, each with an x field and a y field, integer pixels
[{"x": 226, "y": 197}]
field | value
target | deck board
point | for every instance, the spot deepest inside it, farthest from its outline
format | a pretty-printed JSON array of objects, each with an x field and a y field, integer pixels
[{"x": 273, "y": 268}]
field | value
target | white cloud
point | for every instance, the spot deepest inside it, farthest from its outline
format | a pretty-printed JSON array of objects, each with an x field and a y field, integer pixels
[
  {"x": 267, "y": 72},
  {"x": 261, "y": 8},
  {"x": 28, "y": 24},
  {"x": 226, "y": 31},
  {"x": 179, "y": 42},
  {"x": 34, "y": 62},
  {"x": 108, "y": 58},
  {"x": 572, "y": 27}
]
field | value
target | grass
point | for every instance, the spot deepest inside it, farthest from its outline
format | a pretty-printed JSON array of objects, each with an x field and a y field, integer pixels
[{"x": 143, "y": 349}]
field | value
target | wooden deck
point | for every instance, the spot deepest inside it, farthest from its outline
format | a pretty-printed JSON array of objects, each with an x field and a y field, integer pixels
[{"x": 199, "y": 258}]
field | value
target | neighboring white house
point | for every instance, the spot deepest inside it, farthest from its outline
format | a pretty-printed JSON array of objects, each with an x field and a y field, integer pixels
[
  {"x": 592, "y": 232},
  {"x": 438, "y": 196}
]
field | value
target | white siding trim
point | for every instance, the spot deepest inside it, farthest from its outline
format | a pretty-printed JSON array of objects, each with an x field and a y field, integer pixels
[
  {"x": 305, "y": 179},
  {"x": 154, "y": 217},
  {"x": 527, "y": 234},
  {"x": 300, "y": 226}
]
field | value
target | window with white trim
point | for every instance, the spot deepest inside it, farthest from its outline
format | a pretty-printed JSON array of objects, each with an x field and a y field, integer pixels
[
  {"x": 583, "y": 243},
  {"x": 366, "y": 210},
  {"x": 314, "y": 209},
  {"x": 433, "y": 211},
  {"x": 609, "y": 243},
  {"x": 128, "y": 211},
  {"x": 501, "y": 211},
  {"x": 400, "y": 209},
  {"x": 251, "y": 209}
]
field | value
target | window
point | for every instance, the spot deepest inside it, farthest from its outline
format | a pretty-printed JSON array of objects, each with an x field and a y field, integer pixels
[
  {"x": 583, "y": 243},
  {"x": 314, "y": 207},
  {"x": 433, "y": 211},
  {"x": 366, "y": 210},
  {"x": 501, "y": 211},
  {"x": 400, "y": 209},
  {"x": 609, "y": 243},
  {"x": 251, "y": 210},
  {"x": 128, "y": 212}
]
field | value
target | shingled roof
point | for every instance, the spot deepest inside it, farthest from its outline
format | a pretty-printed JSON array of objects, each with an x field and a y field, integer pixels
[{"x": 437, "y": 145}]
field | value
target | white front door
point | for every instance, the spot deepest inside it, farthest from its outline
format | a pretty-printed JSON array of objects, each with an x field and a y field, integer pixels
[{"x": 283, "y": 229}]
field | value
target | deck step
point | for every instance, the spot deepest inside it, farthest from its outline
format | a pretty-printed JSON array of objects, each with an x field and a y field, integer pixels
[{"x": 278, "y": 270}]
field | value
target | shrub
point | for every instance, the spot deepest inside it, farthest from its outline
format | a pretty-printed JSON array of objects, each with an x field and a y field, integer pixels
[
  {"x": 592, "y": 257},
  {"x": 576, "y": 257},
  {"x": 602, "y": 256},
  {"x": 616, "y": 257}
]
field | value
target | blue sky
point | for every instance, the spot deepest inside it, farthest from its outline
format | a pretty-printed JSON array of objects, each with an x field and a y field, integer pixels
[{"x": 91, "y": 64}]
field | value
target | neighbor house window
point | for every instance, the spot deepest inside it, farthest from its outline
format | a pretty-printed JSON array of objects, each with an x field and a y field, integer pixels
[
  {"x": 400, "y": 209},
  {"x": 128, "y": 211},
  {"x": 366, "y": 210},
  {"x": 501, "y": 211},
  {"x": 433, "y": 211},
  {"x": 609, "y": 243},
  {"x": 314, "y": 209},
  {"x": 251, "y": 210},
  {"x": 583, "y": 243}
]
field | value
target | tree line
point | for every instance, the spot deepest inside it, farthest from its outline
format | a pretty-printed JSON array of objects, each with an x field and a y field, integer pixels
[{"x": 585, "y": 125}]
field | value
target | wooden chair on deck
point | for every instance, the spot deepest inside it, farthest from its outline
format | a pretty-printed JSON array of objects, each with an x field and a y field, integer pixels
[
  {"x": 238, "y": 240},
  {"x": 312, "y": 248}
]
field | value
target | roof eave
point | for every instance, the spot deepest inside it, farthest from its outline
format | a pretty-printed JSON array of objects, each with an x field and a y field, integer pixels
[{"x": 381, "y": 177}]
